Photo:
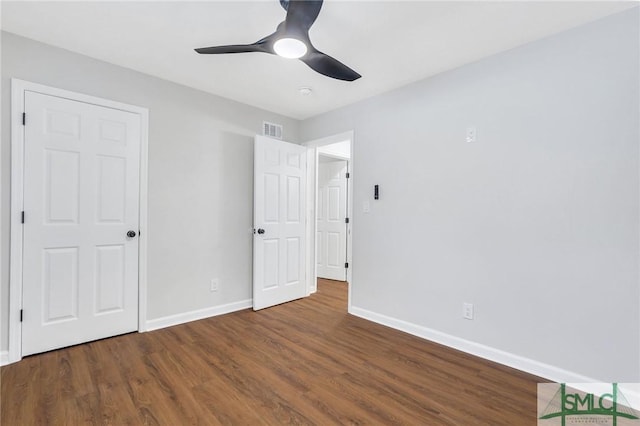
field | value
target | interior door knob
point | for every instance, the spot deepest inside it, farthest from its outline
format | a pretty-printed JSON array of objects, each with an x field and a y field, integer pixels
[
  {"x": 260, "y": 231},
  {"x": 131, "y": 234}
]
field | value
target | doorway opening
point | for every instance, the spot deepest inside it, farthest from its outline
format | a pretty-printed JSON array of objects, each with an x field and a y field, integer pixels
[
  {"x": 331, "y": 218},
  {"x": 330, "y": 177}
]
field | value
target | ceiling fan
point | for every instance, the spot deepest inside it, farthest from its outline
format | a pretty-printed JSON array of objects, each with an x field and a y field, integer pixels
[{"x": 291, "y": 40}]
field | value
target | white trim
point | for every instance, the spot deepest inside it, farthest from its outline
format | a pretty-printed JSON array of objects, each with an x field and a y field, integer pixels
[
  {"x": 350, "y": 214},
  {"x": 310, "y": 203},
  {"x": 518, "y": 362},
  {"x": 199, "y": 314},
  {"x": 350, "y": 202},
  {"x": 15, "y": 251},
  {"x": 18, "y": 88},
  {"x": 4, "y": 355},
  {"x": 143, "y": 236}
]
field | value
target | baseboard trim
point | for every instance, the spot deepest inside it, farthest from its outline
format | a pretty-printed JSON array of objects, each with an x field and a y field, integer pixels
[
  {"x": 4, "y": 357},
  {"x": 171, "y": 320},
  {"x": 518, "y": 362}
]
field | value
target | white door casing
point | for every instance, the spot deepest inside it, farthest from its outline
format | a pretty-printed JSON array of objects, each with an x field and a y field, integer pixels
[
  {"x": 316, "y": 148},
  {"x": 331, "y": 238},
  {"x": 81, "y": 197},
  {"x": 279, "y": 222}
]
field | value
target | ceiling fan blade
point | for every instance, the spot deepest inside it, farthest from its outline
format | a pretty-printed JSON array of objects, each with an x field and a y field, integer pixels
[
  {"x": 302, "y": 13},
  {"x": 264, "y": 45},
  {"x": 326, "y": 65},
  {"x": 233, "y": 48}
]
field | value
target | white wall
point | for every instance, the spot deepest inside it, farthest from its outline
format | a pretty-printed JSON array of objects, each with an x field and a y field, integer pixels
[
  {"x": 536, "y": 223},
  {"x": 200, "y": 175}
]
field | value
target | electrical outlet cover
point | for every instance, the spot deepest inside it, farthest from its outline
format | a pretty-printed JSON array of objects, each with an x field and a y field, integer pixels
[{"x": 467, "y": 310}]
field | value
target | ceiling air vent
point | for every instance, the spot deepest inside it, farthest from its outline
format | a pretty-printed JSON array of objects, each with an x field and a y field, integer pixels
[{"x": 272, "y": 130}]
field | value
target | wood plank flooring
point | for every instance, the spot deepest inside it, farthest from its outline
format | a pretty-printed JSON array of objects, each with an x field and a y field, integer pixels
[{"x": 304, "y": 362}]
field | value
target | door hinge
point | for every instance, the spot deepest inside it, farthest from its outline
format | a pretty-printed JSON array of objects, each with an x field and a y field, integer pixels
[
  {"x": 346, "y": 264},
  {"x": 348, "y": 175},
  {"x": 346, "y": 220},
  {"x": 24, "y": 118},
  {"x": 20, "y": 315},
  {"x": 22, "y": 217}
]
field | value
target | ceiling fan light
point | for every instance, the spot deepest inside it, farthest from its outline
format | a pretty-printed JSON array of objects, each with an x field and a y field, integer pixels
[{"x": 290, "y": 48}]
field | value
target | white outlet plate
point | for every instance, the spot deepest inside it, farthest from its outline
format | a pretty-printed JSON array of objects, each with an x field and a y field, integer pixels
[
  {"x": 467, "y": 311},
  {"x": 214, "y": 284}
]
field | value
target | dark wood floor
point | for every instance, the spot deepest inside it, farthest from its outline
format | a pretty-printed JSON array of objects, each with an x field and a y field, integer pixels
[{"x": 304, "y": 362}]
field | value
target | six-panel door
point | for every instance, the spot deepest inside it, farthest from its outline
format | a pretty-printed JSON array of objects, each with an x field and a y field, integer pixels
[
  {"x": 279, "y": 221},
  {"x": 81, "y": 197},
  {"x": 331, "y": 236}
]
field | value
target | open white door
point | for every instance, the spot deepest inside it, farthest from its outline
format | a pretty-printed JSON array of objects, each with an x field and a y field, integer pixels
[{"x": 280, "y": 170}]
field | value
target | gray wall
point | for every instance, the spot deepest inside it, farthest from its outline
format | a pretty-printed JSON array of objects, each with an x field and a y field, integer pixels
[
  {"x": 200, "y": 175},
  {"x": 536, "y": 223}
]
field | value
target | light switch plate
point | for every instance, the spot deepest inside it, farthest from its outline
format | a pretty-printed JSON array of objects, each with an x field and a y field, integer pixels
[{"x": 471, "y": 134}]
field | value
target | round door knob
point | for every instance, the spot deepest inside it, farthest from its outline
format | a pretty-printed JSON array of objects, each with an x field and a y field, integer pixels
[
  {"x": 131, "y": 234},
  {"x": 260, "y": 231}
]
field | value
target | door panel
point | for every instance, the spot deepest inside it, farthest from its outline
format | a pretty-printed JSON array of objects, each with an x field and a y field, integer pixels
[
  {"x": 60, "y": 282},
  {"x": 81, "y": 196},
  {"x": 62, "y": 186},
  {"x": 333, "y": 250},
  {"x": 293, "y": 199},
  {"x": 112, "y": 180},
  {"x": 279, "y": 199},
  {"x": 293, "y": 266},
  {"x": 330, "y": 215},
  {"x": 334, "y": 192},
  {"x": 271, "y": 250},
  {"x": 110, "y": 278}
]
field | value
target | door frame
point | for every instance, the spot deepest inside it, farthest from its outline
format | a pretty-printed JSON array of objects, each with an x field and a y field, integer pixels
[
  {"x": 18, "y": 89},
  {"x": 312, "y": 203}
]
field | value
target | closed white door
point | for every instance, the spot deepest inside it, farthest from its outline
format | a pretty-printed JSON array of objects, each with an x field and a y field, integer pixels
[
  {"x": 280, "y": 170},
  {"x": 331, "y": 212},
  {"x": 81, "y": 198}
]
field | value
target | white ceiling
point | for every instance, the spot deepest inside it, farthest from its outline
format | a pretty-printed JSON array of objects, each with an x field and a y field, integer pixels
[{"x": 389, "y": 43}]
